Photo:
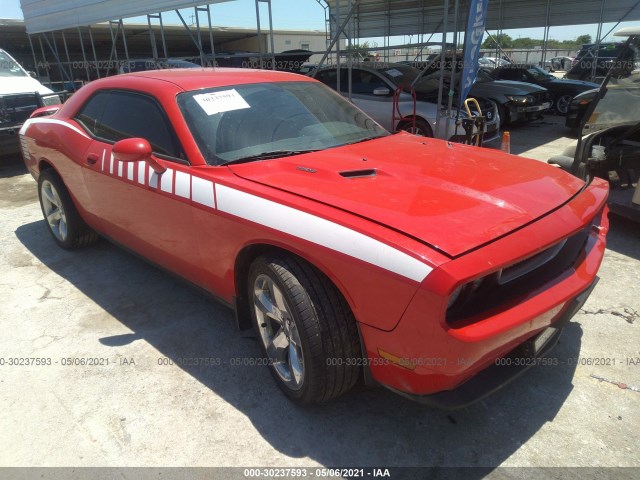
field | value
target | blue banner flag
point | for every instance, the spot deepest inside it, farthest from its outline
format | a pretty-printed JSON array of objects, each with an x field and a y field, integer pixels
[{"x": 472, "y": 41}]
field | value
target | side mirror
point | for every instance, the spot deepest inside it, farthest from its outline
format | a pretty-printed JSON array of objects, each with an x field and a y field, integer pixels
[
  {"x": 381, "y": 91},
  {"x": 32, "y": 74},
  {"x": 135, "y": 150}
]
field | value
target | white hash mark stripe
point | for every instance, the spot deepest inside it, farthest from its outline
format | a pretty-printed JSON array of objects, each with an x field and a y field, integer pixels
[
  {"x": 141, "y": 171},
  {"x": 183, "y": 184},
  {"x": 202, "y": 192},
  {"x": 319, "y": 231},
  {"x": 166, "y": 181},
  {"x": 153, "y": 178}
]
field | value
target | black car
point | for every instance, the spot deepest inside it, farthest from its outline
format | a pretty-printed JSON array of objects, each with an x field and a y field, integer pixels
[
  {"x": 562, "y": 90},
  {"x": 601, "y": 56},
  {"x": 578, "y": 107}
]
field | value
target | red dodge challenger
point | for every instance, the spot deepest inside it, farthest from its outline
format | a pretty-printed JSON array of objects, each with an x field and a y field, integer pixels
[{"x": 438, "y": 270}]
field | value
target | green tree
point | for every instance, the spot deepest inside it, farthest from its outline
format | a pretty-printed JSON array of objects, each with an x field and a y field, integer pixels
[
  {"x": 525, "y": 42},
  {"x": 584, "y": 39},
  {"x": 503, "y": 39},
  {"x": 359, "y": 52}
]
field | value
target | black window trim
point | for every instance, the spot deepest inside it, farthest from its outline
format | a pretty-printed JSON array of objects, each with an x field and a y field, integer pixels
[{"x": 162, "y": 156}]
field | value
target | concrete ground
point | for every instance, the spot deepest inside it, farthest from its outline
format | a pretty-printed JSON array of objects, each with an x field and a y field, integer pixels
[{"x": 132, "y": 409}]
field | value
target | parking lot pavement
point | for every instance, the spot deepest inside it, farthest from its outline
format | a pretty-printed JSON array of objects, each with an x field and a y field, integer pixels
[
  {"x": 120, "y": 380},
  {"x": 540, "y": 139}
]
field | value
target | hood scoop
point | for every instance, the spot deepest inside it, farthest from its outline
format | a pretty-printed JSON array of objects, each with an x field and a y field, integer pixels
[{"x": 370, "y": 172}]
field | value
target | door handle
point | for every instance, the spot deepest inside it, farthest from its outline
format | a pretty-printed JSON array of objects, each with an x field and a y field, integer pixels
[{"x": 92, "y": 158}]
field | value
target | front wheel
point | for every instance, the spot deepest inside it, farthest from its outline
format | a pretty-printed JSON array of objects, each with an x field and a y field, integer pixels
[
  {"x": 63, "y": 220},
  {"x": 562, "y": 103},
  {"x": 306, "y": 330}
]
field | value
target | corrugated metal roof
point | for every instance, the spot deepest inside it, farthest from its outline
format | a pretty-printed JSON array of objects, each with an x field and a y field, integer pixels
[
  {"x": 50, "y": 15},
  {"x": 375, "y": 18}
]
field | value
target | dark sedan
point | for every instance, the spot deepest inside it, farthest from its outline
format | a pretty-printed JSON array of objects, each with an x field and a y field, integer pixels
[{"x": 562, "y": 90}]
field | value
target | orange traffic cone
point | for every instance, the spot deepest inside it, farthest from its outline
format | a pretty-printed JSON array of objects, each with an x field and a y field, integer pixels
[{"x": 505, "y": 146}]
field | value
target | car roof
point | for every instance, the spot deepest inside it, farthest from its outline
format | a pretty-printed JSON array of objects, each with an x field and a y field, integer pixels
[{"x": 194, "y": 79}]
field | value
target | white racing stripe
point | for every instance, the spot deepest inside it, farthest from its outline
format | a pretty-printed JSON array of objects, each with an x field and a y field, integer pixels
[
  {"x": 55, "y": 121},
  {"x": 270, "y": 214},
  {"x": 319, "y": 231}
]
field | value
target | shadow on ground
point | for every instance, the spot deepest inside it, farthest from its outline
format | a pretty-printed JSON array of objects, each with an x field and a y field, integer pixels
[
  {"x": 624, "y": 236},
  {"x": 364, "y": 428},
  {"x": 11, "y": 165}
]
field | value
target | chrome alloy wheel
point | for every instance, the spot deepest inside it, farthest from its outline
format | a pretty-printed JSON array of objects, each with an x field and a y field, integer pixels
[
  {"x": 54, "y": 211},
  {"x": 278, "y": 332}
]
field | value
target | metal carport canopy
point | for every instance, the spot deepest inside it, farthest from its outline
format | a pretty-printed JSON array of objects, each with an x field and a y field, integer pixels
[
  {"x": 375, "y": 18},
  {"x": 51, "y": 15}
]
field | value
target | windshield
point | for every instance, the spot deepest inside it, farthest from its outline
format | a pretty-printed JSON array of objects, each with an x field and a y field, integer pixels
[
  {"x": 239, "y": 122},
  {"x": 484, "y": 77},
  {"x": 621, "y": 101},
  {"x": 400, "y": 75},
  {"x": 9, "y": 67},
  {"x": 539, "y": 74}
]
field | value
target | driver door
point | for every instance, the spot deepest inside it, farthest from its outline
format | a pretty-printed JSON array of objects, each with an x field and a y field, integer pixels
[{"x": 147, "y": 212}]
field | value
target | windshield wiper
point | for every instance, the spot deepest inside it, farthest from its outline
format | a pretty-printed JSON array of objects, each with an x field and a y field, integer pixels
[
  {"x": 362, "y": 140},
  {"x": 267, "y": 156}
]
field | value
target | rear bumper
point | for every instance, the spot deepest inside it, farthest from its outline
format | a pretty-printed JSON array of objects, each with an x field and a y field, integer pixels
[{"x": 505, "y": 369}]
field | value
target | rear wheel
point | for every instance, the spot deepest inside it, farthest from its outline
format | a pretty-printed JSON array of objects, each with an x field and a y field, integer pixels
[
  {"x": 306, "y": 330},
  {"x": 63, "y": 220},
  {"x": 421, "y": 127}
]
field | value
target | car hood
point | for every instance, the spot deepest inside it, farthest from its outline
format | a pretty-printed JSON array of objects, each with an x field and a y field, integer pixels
[
  {"x": 504, "y": 87},
  {"x": 10, "y": 85},
  {"x": 453, "y": 197}
]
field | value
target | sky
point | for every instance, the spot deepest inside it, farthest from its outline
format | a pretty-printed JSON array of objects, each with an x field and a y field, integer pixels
[{"x": 309, "y": 15}]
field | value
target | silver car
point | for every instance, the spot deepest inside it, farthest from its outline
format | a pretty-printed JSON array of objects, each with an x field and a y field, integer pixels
[{"x": 372, "y": 90}]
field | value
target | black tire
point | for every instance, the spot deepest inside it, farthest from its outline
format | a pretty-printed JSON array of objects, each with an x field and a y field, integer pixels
[
  {"x": 313, "y": 314},
  {"x": 60, "y": 214},
  {"x": 422, "y": 128},
  {"x": 561, "y": 103}
]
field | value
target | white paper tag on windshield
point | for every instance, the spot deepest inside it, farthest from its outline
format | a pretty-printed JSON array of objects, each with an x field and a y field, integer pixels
[
  {"x": 218, "y": 102},
  {"x": 394, "y": 72}
]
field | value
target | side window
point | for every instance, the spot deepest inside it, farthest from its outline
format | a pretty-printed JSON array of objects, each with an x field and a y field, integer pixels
[
  {"x": 116, "y": 115},
  {"x": 510, "y": 74},
  {"x": 329, "y": 78},
  {"x": 130, "y": 115},
  {"x": 366, "y": 82},
  {"x": 90, "y": 115}
]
